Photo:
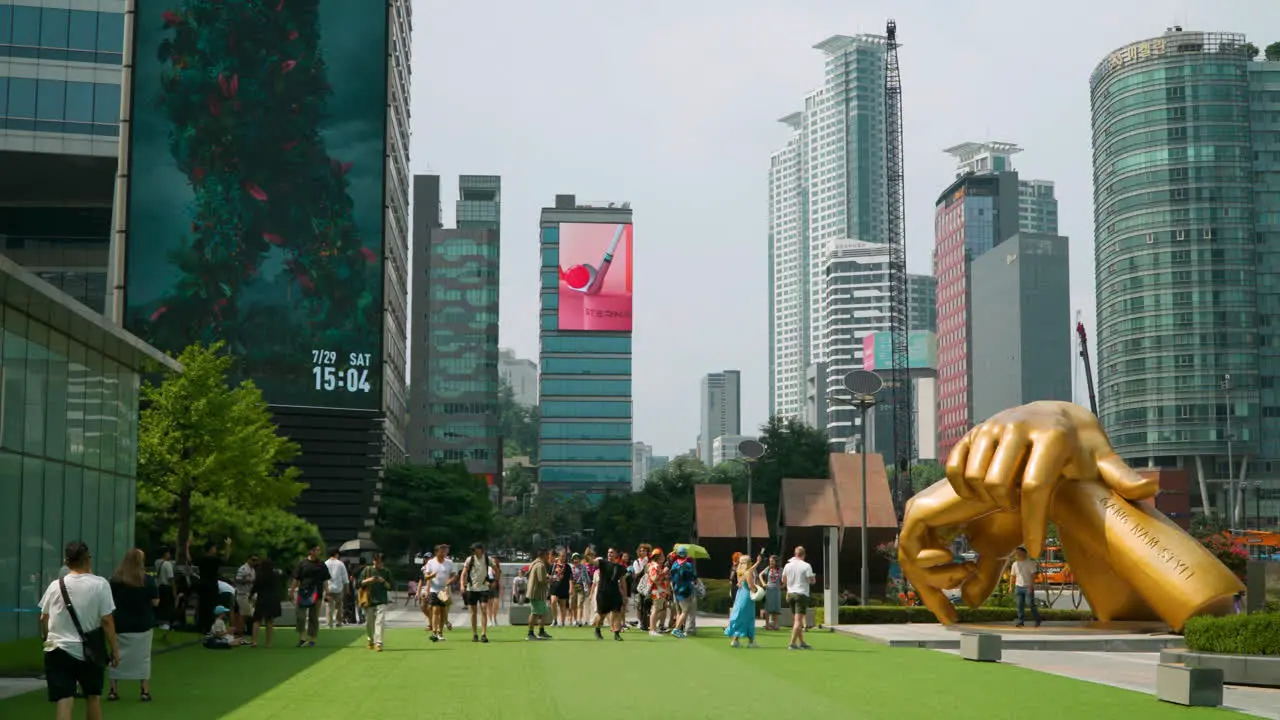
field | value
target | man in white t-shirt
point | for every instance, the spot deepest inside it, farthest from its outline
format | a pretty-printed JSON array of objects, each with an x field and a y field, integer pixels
[
  {"x": 798, "y": 576},
  {"x": 1023, "y": 574},
  {"x": 65, "y": 665},
  {"x": 335, "y": 592},
  {"x": 246, "y": 575},
  {"x": 437, "y": 574}
]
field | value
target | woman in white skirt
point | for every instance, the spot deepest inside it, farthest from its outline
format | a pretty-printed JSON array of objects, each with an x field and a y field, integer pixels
[{"x": 136, "y": 596}]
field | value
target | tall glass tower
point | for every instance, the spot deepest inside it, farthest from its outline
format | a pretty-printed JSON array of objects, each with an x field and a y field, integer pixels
[{"x": 1187, "y": 252}]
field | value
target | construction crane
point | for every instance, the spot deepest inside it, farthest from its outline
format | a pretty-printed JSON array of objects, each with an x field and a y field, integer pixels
[
  {"x": 1088, "y": 367},
  {"x": 899, "y": 323}
]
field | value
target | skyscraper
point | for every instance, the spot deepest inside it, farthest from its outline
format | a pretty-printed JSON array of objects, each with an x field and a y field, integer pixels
[
  {"x": 585, "y": 439},
  {"x": 1020, "y": 322},
  {"x": 454, "y": 374},
  {"x": 296, "y": 254},
  {"x": 855, "y": 286},
  {"x": 986, "y": 205},
  {"x": 827, "y": 183},
  {"x": 1187, "y": 222},
  {"x": 521, "y": 375},
  {"x": 922, "y": 303},
  {"x": 59, "y": 139},
  {"x": 721, "y": 395}
]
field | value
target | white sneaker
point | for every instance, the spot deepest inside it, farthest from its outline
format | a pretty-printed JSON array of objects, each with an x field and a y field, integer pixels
[{"x": 654, "y": 633}]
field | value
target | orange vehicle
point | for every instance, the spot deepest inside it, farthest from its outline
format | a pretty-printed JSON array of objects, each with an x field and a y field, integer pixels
[
  {"x": 1054, "y": 569},
  {"x": 1260, "y": 544}
]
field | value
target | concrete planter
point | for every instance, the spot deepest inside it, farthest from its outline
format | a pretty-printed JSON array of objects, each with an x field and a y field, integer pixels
[
  {"x": 980, "y": 647},
  {"x": 1258, "y": 670},
  {"x": 810, "y": 618},
  {"x": 1191, "y": 686}
]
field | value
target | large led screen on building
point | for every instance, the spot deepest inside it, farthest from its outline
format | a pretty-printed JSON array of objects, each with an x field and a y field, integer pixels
[
  {"x": 255, "y": 205},
  {"x": 922, "y": 351},
  {"x": 595, "y": 276}
]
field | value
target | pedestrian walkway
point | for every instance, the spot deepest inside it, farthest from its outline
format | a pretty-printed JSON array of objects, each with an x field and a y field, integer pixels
[{"x": 1133, "y": 671}]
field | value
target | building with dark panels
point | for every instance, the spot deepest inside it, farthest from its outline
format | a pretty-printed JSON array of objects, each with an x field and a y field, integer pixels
[
  {"x": 1186, "y": 158},
  {"x": 60, "y": 93},
  {"x": 922, "y": 302},
  {"x": 1020, "y": 305},
  {"x": 585, "y": 442},
  {"x": 454, "y": 376}
]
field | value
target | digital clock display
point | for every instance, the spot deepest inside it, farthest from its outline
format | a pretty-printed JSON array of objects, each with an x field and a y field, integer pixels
[{"x": 350, "y": 375}]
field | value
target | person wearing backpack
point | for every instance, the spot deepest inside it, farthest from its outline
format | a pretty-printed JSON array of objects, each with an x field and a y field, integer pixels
[
  {"x": 475, "y": 586},
  {"x": 684, "y": 580}
]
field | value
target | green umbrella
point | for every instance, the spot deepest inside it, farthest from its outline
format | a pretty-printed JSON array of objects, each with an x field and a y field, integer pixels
[{"x": 697, "y": 552}]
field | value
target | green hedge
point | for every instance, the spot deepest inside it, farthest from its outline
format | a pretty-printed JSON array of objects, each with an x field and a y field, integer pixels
[
  {"x": 1257, "y": 634},
  {"x": 717, "y": 601},
  {"x": 893, "y": 614}
]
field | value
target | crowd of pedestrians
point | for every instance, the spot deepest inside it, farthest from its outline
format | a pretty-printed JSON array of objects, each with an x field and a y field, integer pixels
[{"x": 90, "y": 623}]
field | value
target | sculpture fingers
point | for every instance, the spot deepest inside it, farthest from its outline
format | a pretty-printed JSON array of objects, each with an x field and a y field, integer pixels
[
  {"x": 981, "y": 450},
  {"x": 1004, "y": 475},
  {"x": 933, "y": 598},
  {"x": 956, "y": 461},
  {"x": 993, "y": 537},
  {"x": 1045, "y": 464},
  {"x": 1117, "y": 474}
]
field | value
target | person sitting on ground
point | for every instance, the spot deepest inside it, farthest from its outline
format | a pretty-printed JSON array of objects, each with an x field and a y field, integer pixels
[{"x": 219, "y": 638}]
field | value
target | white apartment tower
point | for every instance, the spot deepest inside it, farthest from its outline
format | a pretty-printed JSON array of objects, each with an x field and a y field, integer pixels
[
  {"x": 827, "y": 183},
  {"x": 721, "y": 410},
  {"x": 855, "y": 304}
]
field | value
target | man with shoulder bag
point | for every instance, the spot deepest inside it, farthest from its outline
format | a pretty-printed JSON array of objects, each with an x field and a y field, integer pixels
[{"x": 79, "y": 634}]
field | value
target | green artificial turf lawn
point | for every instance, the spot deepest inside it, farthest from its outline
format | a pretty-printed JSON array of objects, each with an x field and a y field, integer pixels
[{"x": 575, "y": 676}]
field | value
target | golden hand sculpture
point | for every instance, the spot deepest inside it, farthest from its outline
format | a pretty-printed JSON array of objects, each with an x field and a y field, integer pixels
[{"x": 1009, "y": 476}]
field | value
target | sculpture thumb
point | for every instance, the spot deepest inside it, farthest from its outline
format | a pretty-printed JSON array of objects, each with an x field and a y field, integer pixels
[{"x": 1128, "y": 484}]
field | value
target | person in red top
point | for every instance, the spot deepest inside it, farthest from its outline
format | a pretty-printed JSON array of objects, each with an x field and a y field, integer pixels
[{"x": 659, "y": 590}]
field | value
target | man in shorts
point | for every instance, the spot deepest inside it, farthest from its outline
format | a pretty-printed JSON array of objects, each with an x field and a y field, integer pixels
[
  {"x": 475, "y": 591},
  {"x": 539, "y": 588},
  {"x": 437, "y": 575},
  {"x": 798, "y": 577}
]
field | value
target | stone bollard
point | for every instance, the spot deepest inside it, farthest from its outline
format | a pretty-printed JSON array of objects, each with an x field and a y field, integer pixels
[
  {"x": 1191, "y": 686},
  {"x": 518, "y": 615},
  {"x": 980, "y": 647}
]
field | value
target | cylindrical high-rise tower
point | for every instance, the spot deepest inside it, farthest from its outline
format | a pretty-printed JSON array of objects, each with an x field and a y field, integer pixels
[{"x": 1174, "y": 252}]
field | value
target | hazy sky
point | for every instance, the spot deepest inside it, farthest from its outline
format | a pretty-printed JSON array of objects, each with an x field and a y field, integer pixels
[{"x": 674, "y": 106}]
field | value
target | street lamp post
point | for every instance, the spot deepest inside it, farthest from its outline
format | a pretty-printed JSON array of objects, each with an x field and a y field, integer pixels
[
  {"x": 863, "y": 386},
  {"x": 751, "y": 450}
]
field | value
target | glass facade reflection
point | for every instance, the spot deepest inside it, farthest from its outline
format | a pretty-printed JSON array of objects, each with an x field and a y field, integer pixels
[
  {"x": 1187, "y": 215},
  {"x": 53, "y": 33},
  {"x": 454, "y": 395},
  {"x": 69, "y": 388}
]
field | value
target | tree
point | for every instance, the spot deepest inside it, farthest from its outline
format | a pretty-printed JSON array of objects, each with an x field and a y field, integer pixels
[
  {"x": 424, "y": 505},
  {"x": 1250, "y": 50},
  {"x": 793, "y": 450},
  {"x": 1272, "y": 53},
  {"x": 922, "y": 474},
  {"x": 266, "y": 532},
  {"x": 661, "y": 513},
  {"x": 200, "y": 439},
  {"x": 517, "y": 424}
]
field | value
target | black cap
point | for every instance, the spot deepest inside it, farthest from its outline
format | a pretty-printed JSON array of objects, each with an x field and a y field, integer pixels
[{"x": 477, "y": 546}]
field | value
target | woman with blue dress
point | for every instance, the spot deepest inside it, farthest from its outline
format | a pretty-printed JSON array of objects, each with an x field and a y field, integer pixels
[{"x": 742, "y": 619}]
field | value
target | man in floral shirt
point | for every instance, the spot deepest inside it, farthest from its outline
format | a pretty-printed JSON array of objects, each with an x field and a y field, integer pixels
[{"x": 659, "y": 589}]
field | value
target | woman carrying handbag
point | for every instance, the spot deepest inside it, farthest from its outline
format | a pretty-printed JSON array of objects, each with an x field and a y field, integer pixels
[{"x": 742, "y": 620}]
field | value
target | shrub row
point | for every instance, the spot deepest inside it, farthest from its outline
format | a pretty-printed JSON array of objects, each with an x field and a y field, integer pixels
[
  {"x": 894, "y": 614},
  {"x": 1256, "y": 634}
]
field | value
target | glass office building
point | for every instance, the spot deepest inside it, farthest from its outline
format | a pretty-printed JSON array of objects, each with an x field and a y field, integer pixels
[
  {"x": 69, "y": 384},
  {"x": 585, "y": 432},
  {"x": 1186, "y": 194},
  {"x": 60, "y": 92},
  {"x": 454, "y": 381}
]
